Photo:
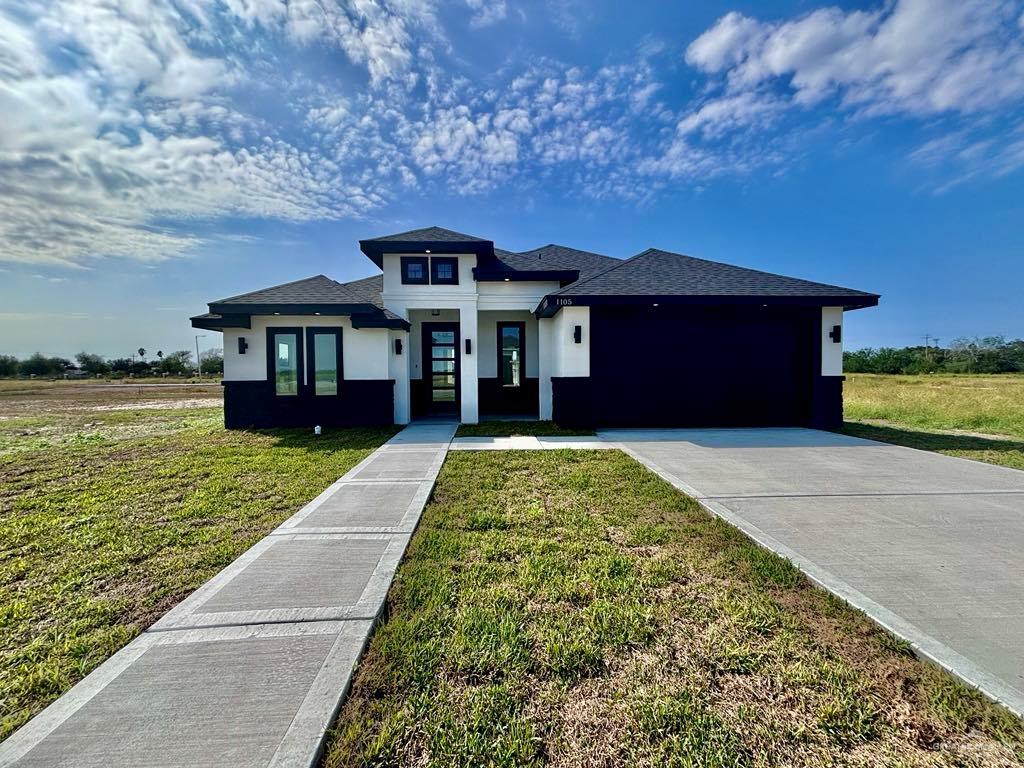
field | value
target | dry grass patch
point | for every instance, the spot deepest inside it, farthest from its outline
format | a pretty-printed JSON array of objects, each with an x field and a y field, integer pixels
[
  {"x": 985, "y": 404},
  {"x": 572, "y": 609}
]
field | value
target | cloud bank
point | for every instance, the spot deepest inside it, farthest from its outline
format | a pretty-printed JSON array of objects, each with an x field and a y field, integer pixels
[{"x": 129, "y": 123}]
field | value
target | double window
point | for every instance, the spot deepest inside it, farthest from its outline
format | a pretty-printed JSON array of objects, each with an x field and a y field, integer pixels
[
  {"x": 421, "y": 270},
  {"x": 323, "y": 369}
]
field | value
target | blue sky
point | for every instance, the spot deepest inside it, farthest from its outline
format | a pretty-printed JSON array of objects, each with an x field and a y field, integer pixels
[{"x": 156, "y": 155}]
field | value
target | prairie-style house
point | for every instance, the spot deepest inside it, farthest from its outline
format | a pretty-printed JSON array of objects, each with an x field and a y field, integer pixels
[{"x": 455, "y": 327}]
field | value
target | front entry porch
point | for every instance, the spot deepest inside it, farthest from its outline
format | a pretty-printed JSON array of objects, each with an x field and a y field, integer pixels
[{"x": 472, "y": 376}]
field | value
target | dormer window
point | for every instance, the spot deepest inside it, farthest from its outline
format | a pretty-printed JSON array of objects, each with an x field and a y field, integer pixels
[
  {"x": 444, "y": 271},
  {"x": 414, "y": 270}
]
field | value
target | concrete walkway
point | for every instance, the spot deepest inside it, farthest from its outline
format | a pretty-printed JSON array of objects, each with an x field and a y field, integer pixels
[
  {"x": 528, "y": 443},
  {"x": 250, "y": 670},
  {"x": 931, "y": 547}
]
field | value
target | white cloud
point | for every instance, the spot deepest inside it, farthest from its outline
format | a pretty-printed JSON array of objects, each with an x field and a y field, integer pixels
[
  {"x": 956, "y": 61},
  {"x": 917, "y": 57},
  {"x": 132, "y": 127},
  {"x": 729, "y": 112},
  {"x": 487, "y": 12}
]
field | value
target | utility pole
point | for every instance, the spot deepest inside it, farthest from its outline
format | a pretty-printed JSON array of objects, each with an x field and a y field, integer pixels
[{"x": 199, "y": 362}]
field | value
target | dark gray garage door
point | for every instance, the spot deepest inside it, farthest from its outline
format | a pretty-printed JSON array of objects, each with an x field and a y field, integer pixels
[{"x": 703, "y": 366}]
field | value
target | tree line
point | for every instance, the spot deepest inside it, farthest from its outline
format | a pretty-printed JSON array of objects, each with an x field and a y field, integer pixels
[
  {"x": 991, "y": 354},
  {"x": 178, "y": 363}
]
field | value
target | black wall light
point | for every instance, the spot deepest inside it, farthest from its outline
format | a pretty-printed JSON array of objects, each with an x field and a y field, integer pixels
[
  {"x": 469, "y": 347},
  {"x": 577, "y": 334},
  {"x": 242, "y": 345},
  {"x": 398, "y": 346},
  {"x": 836, "y": 334}
]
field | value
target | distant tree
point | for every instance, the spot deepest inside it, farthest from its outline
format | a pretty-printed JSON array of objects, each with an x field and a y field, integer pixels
[
  {"x": 159, "y": 354},
  {"x": 989, "y": 354},
  {"x": 8, "y": 365},
  {"x": 40, "y": 365},
  {"x": 212, "y": 361},
  {"x": 92, "y": 364},
  {"x": 121, "y": 365},
  {"x": 176, "y": 363},
  {"x": 142, "y": 352}
]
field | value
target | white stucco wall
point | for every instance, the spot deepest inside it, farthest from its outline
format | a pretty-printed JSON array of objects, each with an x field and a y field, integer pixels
[
  {"x": 514, "y": 295},
  {"x": 559, "y": 355},
  {"x": 488, "y": 364},
  {"x": 365, "y": 353},
  {"x": 572, "y": 359},
  {"x": 831, "y": 351}
]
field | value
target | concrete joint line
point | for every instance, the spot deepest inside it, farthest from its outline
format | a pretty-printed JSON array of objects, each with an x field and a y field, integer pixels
[{"x": 873, "y": 494}]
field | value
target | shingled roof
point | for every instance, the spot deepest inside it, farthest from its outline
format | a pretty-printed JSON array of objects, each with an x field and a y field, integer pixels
[
  {"x": 663, "y": 273},
  {"x": 588, "y": 278},
  {"x": 361, "y": 299},
  {"x": 318, "y": 289},
  {"x": 553, "y": 257}
]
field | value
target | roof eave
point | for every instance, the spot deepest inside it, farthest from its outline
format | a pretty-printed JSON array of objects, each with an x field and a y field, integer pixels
[
  {"x": 550, "y": 305},
  {"x": 207, "y": 323},
  {"x": 375, "y": 249},
  {"x": 379, "y": 321},
  {"x": 292, "y": 308}
]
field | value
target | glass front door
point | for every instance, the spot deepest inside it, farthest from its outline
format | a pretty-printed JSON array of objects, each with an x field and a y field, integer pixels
[{"x": 441, "y": 366}]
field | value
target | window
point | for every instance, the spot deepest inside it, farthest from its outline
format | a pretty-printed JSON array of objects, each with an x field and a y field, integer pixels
[
  {"x": 414, "y": 270},
  {"x": 324, "y": 349},
  {"x": 444, "y": 271},
  {"x": 511, "y": 353},
  {"x": 285, "y": 360}
]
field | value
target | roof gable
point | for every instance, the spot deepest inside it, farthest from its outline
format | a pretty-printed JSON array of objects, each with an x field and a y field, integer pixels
[{"x": 427, "y": 234}]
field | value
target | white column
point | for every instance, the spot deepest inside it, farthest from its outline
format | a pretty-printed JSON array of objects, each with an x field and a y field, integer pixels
[
  {"x": 831, "y": 350},
  {"x": 545, "y": 363},
  {"x": 398, "y": 368},
  {"x": 470, "y": 388}
]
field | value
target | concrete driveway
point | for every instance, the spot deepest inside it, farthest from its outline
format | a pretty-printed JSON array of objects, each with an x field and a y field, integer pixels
[{"x": 930, "y": 546}]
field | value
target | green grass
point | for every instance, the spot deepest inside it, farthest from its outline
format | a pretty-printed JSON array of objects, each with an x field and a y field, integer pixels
[
  {"x": 107, "y": 519},
  {"x": 516, "y": 428},
  {"x": 987, "y": 404},
  {"x": 570, "y": 608},
  {"x": 934, "y": 413}
]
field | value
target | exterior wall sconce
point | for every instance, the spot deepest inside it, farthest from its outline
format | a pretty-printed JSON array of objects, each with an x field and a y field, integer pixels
[
  {"x": 242, "y": 345},
  {"x": 836, "y": 334},
  {"x": 577, "y": 334},
  {"x": 469, "y": 347},
  {"x": 398, "y": 346}
]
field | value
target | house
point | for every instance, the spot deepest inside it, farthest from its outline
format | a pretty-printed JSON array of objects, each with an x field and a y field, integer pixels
[{"x": 456, "y": 327}]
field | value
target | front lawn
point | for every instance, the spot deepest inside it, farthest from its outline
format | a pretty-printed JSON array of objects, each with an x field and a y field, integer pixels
[
  {"x": 570, "y": 608},
  {"x": 115, "y": 505},
  {"x": 517, "y": 428}
]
